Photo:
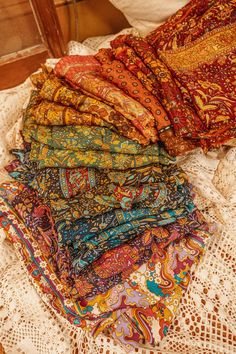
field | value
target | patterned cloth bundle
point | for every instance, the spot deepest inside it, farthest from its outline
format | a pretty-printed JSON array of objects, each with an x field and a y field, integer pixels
[{"x": 99, "y": 211}]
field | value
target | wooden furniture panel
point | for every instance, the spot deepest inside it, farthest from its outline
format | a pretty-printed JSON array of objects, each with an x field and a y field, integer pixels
[
  {"x": 24, "y": 58},
  {"x": 15, "y": 71}
]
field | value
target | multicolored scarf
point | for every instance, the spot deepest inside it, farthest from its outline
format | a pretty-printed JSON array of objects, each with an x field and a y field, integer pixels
[
  {"x": 187, "y": 67},
  {"x": 100, "y": 214},
  {"x": 150, "y": 295}
]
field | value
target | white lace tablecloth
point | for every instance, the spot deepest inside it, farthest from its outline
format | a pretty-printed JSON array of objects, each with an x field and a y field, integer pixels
[{"x": 206, "y": 319}]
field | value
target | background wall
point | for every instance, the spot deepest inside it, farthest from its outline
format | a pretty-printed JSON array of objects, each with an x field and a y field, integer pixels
[
  {"x": 18, "y": 29},
  {"x": 22, "y": 49}
]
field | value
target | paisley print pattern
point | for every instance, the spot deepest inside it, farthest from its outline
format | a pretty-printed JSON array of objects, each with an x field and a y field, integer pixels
[
  {"x": 161, "y": 196},
  {"x": 198, "y": 47},
  {"x": 83, "y": 106},
  {"x": 193, "y": 21},
  {"x": 50, "y": 157},
  {"x": 74, "y": 145},
  {"x": 55, "y": 183},
  {"x": 52, "y": 106},
  {"x": 99, "y": 270}
]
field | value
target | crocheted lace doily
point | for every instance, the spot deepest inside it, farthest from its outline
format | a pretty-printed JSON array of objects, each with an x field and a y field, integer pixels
[{"x": 206, "y": 318}]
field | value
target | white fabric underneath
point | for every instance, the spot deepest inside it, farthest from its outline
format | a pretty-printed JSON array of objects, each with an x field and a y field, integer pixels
[{"x": 207, "y": 315}]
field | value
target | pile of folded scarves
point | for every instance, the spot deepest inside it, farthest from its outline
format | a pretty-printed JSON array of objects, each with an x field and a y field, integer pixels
[
  {"x": 105, "y": 222},
  {"x": 183, "y": 73},
  {"x": 100, "y": 213}
]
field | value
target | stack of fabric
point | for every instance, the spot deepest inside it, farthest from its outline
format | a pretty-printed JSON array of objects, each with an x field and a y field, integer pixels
[
  {"x": 101, "y": 214},
  {"x": 111, "y": 230},
  {"x": 183, "y": 73}
]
